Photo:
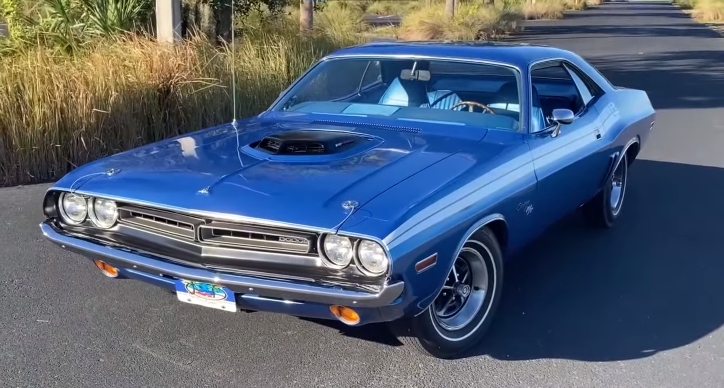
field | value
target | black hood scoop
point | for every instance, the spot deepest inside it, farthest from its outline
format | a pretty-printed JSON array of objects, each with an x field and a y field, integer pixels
[{"x": 308, "y": 142}]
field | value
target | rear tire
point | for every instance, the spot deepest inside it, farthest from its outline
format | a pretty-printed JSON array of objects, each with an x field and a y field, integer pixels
[
  {"x": 463, "y": 311},
  {"x": 604, "y": 209}
]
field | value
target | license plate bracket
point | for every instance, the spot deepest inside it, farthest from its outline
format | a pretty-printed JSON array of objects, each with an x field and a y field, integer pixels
[{"x": 206, "y": 295}]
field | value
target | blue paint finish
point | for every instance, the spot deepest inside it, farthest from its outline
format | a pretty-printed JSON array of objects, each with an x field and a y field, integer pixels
[
  {"x": 568, "y": 171},
  {"x": 423, "y": 185}
]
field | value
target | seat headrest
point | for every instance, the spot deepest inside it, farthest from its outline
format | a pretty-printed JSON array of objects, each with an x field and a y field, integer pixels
[
  {"x": 508, "y": 93},
  {"x": 405, "y": 93}
]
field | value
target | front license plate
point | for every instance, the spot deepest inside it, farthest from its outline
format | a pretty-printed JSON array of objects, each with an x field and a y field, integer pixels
[{"x": 205, "y": 294}]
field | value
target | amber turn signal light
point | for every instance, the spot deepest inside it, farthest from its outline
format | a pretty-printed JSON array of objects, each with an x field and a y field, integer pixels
[
  {"x": 345, "y": 314},
  {"x": 106, "y": 268}
]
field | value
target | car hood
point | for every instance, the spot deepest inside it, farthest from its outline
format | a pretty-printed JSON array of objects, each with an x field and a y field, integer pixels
[{"x": 218, "y": 171}]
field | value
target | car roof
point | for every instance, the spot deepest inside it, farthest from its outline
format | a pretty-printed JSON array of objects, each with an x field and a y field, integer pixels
[{"x": 517, "y": 54}]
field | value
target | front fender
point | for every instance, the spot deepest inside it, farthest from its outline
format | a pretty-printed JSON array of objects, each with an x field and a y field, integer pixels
[{"x": 435, "y": 277}]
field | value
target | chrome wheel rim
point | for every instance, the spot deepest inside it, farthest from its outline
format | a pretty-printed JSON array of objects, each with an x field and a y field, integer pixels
[
  {"x": 464, "y": 291},
  {"x": 618, "y": 186}
]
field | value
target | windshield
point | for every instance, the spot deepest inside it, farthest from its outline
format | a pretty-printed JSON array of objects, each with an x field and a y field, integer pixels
[{"x": 483, "y": 95}]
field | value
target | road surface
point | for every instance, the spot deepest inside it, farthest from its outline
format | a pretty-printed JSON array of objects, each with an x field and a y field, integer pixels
[{"x": 637, "y": 306}]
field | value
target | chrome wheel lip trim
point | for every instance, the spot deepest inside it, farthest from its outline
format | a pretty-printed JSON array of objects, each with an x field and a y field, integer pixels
[{"x": 618, "y": 191}]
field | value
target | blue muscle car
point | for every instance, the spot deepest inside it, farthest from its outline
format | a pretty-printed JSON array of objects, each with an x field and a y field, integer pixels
[{"x": 389, "y": 183}]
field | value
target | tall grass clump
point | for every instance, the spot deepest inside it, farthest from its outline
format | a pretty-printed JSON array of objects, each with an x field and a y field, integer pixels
[
  {"x": 708, "y": 11},
  {"x": 58, "y": 111},
  {"x": 544, "y": 9},
  {"x": 685, "y": 4},
  {"x": 392, "y": 7},
  {"x": 471, "y": 21}
]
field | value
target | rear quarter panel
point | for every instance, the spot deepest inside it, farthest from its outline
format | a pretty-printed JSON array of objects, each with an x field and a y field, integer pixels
[
  {"x": 627, "y": 120},
  {"x": 627, "y": 114}
]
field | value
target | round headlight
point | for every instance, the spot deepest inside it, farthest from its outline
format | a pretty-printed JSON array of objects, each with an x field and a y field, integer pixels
[
  {"x": 104, "y": 213},
  {"x": 73, "y": 208},
  {"x": 338, "y": 250},
  {"x": 372, "y": 258}
]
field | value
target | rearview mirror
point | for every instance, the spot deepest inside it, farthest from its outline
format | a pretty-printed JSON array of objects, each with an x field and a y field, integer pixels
[
  {"x": 416, "y": 75},
  {"x": 563, "y": 116}
]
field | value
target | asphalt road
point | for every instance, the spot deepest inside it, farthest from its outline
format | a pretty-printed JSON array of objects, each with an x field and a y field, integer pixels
[{"x": 636, "y": 306}]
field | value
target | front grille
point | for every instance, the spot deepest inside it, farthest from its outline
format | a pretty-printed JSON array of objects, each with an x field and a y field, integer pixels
[
  {"x": 242, "y": 236},
  {"x": 159, "y": 221},
  {"x": 207, "y": 232}
]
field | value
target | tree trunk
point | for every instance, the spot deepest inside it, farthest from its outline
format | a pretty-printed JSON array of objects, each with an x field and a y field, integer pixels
[
  {"x": 306, "y": 15},
  {"x": 449, "y": 8},
  {"x": 198, "y": 18},
  {"x": 223, "y": 22}
]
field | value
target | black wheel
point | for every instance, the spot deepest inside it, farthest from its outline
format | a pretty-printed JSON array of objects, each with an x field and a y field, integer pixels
[
  {"x": 464, "y": 309},
  {"x": 603, "y": 209}
]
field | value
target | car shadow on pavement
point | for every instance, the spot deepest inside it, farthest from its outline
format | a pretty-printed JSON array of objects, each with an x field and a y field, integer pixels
[
  {"x": 673, "y": 80},
  {"x": 650, "y": 284}
]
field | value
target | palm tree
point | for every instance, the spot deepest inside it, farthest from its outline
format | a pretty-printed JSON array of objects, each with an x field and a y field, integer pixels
[
  {"x": 449, "y": 8},
  {"x": 306, "y": 15}
]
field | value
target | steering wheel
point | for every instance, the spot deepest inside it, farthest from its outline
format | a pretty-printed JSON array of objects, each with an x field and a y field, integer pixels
[{"x": 470, "y": 105}]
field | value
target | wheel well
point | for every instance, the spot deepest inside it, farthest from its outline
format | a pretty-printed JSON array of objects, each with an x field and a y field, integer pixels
[
  {"x": 632, "y": 151},
  {"x": 500, "y": 230}
]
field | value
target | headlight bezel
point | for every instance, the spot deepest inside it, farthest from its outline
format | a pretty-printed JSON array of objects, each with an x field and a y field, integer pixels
[
  {"x": 325, "y": 257},
  {"x": 64, "y": 214},
  {"x": 356, "y": 260},
  {"x": 94, "y": 217},
  {"x": 360, "y": 265}
]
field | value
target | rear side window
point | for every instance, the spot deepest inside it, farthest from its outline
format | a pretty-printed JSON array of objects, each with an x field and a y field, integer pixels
[
  {"x": 561, "y": 85},
  {"x": 586, "y": 86}
]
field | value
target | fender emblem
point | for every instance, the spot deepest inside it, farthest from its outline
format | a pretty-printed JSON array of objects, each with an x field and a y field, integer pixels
[{"x": 528, "y": 210}]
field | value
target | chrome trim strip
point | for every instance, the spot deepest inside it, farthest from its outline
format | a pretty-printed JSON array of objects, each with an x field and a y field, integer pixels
[
  {"x": 240, "y": 284},
  {"x": 261, "y": 298},
  {"x": 634, "y": 140}
]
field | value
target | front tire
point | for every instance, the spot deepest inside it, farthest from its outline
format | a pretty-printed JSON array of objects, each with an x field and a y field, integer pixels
[
  {"x": 463, "y": 311},
  {"x": 604, "y": 209}
]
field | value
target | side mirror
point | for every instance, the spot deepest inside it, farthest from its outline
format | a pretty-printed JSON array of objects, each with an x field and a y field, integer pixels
[{"x": 561, "y": 117}]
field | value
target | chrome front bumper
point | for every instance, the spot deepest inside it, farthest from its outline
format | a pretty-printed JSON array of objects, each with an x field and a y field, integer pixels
[{"x": 237, "y": 283}]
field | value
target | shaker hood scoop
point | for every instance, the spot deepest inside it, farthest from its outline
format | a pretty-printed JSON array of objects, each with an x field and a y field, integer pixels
[{"x": 309, "y": 142}]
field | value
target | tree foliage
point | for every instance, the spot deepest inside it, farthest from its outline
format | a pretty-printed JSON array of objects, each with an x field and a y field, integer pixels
[{"x": 243, "y": 7}]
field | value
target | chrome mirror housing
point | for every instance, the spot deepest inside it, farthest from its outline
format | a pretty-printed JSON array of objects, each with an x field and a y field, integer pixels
[{"x": 563, "y": 116}]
